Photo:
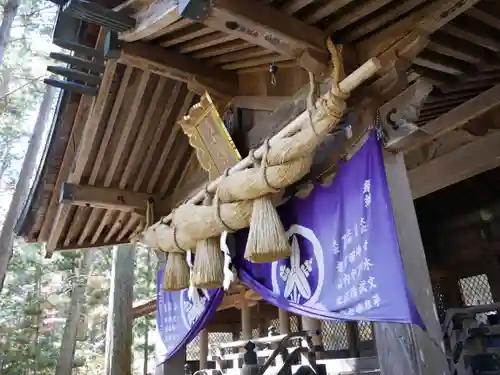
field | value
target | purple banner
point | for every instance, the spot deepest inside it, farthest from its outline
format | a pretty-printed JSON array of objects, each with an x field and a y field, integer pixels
[
  {"x": 345, "y": 261},
  {"x": 181, "y": 315}
]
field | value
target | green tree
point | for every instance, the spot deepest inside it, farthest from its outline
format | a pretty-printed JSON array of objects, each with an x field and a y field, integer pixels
[{"x": 30, "y": 338}]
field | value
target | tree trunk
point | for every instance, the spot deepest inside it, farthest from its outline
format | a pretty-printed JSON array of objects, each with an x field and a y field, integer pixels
[
  {"x": 118, "y": 356},
  {"x": 34, "y": 348},
  {"x": 146, "y": 318},
  {"x": 9, "y": 13},
  {"x": 22, "y": 186},
  {"x": 68, "y": 342}
]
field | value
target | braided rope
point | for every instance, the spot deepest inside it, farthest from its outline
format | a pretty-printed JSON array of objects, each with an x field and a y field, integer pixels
[{"x": 282, "y": 163}]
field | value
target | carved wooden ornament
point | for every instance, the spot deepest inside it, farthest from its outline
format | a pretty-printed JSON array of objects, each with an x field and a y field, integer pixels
[{"x": 215, "y": 149}]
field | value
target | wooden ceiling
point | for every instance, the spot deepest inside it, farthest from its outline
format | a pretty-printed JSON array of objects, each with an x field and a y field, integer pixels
[{"x": 462, "y": 58}]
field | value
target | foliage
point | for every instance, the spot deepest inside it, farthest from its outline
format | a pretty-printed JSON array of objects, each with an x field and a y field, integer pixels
[
  {"x": 35, "y": 300},
  {"x": 25, "y": 59},
  {"x": 25, "y": 343}
]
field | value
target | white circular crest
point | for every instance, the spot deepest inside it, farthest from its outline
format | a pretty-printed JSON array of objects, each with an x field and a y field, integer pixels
[
  {"x": 186, "y": 298},
  {"x": 308, "y": 234}
]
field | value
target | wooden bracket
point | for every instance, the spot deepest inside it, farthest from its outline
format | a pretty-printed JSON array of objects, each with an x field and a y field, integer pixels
[{"x": 398, "y": 116}]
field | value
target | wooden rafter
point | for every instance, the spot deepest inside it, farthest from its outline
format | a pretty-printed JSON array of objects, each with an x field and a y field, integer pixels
[
  {"x": 176, "y": 66},
  {"x": 111, "y": 126},
  {"x": 123, "y": 116},
  {"x": 176, "y": 107},
  {"x": 131, "y": 120},
  {"x": 84, "y": 149},
  {"x": 68, "y": 158},
  {"x": 266, "y": 27},
  {"x": 453, "y": 119},
  {"x": 420, "y": 23}
]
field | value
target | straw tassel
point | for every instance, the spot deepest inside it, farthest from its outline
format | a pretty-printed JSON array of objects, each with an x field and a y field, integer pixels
[
  {"x": 208, "y": 267},
  {"x": 267, "y": 240},
  {"x": 176, "y": 276}
]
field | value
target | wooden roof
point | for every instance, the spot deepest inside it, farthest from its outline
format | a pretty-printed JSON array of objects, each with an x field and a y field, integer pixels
[
  {"x": 124, "y": 143},
  {"x": 133, "y": 142}
]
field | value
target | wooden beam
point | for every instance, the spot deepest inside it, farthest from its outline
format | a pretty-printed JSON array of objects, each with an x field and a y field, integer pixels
[
  {"x": 176, "y": 66},
  {"x": 89, "y": 246},
  {"x": 474, "y": 158},
  {"x": 259, "y": 103},
  {"x": 264, "y": 26},
  {"x": 229, "y": 301},
  {"x": 111, "y": 199},
  {"x": 452, "y": 120}
]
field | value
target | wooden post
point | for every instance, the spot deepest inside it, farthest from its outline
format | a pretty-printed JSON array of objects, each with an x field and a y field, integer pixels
[
  {"x": 493, "y": 274},
  {"x": 310, "y": 324},
  {"x": 246, "y": 320},
  {"x": 203, "y": 349},
  {"x": 353, "y": 339},
  {"x": 402, "y": 348},
  {"x": 174, "y": 366},
  {"x": 284, "y": 320},
  {"x": 118, "y": 357}
]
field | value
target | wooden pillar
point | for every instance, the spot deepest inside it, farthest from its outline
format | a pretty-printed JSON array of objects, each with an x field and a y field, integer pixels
[
  {"x": 246, "y": 320},
  {"x": 493, "y": 274},
  {"x": 403, "y": 348},
  {"x": 203, "y": 349},
  {"x": 353, "y": 339},
  {"x": 284, "y": 320},
  {"x": 451, "y": 291},
  {"x": 310, "y": 324},
  {"x": 118, "y": 358},
  {"x": 264, "y": 325},
  {"x": 174, "y": 366}
]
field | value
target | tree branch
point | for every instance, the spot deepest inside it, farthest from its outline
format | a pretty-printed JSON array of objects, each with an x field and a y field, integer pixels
[{"x": 30, "y": 81}]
